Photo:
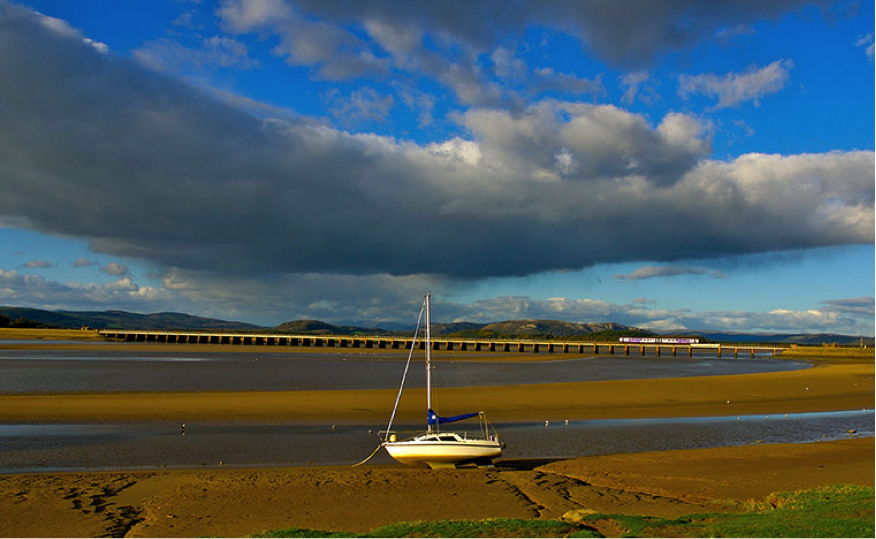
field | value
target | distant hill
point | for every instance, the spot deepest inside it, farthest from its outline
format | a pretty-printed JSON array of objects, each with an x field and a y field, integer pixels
[
  {"x": 554, "y": 328},
  {"x": 121, "y": 320},
  {"x": 787, "y": 338},
  {"x": 547, "y": 329},
  {"x": 315, "y": 327}
]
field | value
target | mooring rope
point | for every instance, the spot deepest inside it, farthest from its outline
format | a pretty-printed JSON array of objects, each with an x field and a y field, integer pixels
[{"x": 369, "y": 457}]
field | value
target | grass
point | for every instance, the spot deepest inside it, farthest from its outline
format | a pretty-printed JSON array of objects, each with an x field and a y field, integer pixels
[
  {"x": 42, "y": 334},
  {"x": 836, "y": 511},
  {"x": 499, "y": 528},
  {"x": 829, "y": 354}
]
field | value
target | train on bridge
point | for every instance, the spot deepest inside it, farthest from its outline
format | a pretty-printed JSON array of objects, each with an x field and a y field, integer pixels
[{"x": 660, "y": 340}]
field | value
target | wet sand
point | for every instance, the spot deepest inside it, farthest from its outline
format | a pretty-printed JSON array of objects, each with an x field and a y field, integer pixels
[
  {"x": 822, "y": 388},
  {"x": 240, "y": 502},
  {"x": 237, "y": 502}
]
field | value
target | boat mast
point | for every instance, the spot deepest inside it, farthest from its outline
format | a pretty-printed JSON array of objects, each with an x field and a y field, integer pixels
[{"x": 429, "y": 359}]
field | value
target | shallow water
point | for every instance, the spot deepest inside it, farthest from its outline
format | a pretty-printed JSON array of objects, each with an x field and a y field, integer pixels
[
  {"x": 156, "y": 445},
  {"x": 50, "y": 371}
]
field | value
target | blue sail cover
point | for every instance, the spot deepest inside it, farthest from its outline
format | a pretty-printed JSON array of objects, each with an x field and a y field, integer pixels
[{"x": 435, "y": 419}]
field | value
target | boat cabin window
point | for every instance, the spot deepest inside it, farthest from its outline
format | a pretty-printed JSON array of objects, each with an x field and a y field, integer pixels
[{"x": 447, "y": 438}]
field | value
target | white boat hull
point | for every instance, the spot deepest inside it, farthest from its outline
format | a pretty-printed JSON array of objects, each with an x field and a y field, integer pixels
[{"x": 443, "y": 454}]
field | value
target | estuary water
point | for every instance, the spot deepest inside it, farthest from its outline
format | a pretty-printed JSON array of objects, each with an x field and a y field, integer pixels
[
  {"x": 74, "y": 371},
  {"x": 161, "y": 444}
]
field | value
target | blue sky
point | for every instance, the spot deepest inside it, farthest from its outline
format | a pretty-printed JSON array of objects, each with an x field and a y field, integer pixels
[{"x": 668, "y": 165}]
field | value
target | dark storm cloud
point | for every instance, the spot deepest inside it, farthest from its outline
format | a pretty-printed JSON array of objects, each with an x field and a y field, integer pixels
[
  {"x": 447, "y": 42},
  {"x": 627, "y": 33},
  {"x": 100, "y": 147}
]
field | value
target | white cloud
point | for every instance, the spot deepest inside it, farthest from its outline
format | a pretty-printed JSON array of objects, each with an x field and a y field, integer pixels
[
  {"x": 735, "y": 89},
  {"x": 634, "y": 82},
  {"x": 244, "y": 16},
  {"x": 866, "y": 42},
  {"x": 646, "y": 315},
  {"x": 605, "y": 142},
  {"x": 459, "y": 149},
  {"x": 338, "y": 53},
  {"x": 650, "y": 272},
  {"x": 168, "y": 55},
  {"x": 363, "y": 105},
  {"x": 862, "y": 307},
  {"x": 83, "y": 263},
  {"x": 42, "y": 264},
  {"x": 115, "y": 269},
  {"x": 42, "y": 293},
  {"x": 62, "y": 28}
]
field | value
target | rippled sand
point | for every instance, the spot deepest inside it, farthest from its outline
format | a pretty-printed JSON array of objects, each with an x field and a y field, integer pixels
[{"x": 240, "y": 502}]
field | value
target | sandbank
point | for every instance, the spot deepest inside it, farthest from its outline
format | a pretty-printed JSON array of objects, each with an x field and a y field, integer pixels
[
  {"x": 239, "y": 502},
  {"x": 822, "y": 388}
]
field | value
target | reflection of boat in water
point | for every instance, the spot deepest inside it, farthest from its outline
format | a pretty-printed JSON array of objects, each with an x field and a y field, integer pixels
[{"x": 435, "y": 448}]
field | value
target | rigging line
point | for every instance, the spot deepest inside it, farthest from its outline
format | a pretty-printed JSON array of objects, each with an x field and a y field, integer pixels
[
  {"x": 482, "y": 418},
  {"x": 466, "y": 381},
  {"x": 407, "y": 365}
]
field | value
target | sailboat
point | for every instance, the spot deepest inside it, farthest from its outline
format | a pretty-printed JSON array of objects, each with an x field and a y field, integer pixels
[{"x": 436, "y": 448}]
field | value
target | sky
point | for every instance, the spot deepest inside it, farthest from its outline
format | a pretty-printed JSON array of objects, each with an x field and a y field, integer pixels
[{"x": 675, "y": 165}]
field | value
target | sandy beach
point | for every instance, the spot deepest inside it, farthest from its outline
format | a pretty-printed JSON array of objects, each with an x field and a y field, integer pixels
[{"x": 236, "y": 502}]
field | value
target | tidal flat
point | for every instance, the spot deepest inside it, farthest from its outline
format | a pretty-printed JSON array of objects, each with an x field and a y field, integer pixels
[{"x": 224, "y": 501}]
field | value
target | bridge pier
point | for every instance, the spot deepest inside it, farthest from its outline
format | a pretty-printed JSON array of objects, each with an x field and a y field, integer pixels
[{"x": 384, "y": 342}]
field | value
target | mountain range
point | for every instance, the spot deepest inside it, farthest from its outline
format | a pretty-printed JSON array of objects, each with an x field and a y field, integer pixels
[
  {"x": 26, "y": 317},
  {"x": 119, "y": 320}
]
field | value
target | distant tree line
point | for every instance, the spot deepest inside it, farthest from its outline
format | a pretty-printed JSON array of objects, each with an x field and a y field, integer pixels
[{"x": 23, "y": 323}]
